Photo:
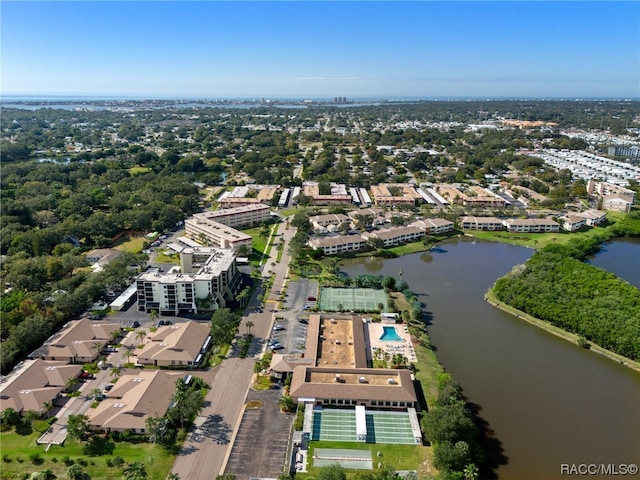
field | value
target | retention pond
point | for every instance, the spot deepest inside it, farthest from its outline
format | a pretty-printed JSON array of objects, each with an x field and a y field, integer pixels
[{"x": 548, "y": 402}]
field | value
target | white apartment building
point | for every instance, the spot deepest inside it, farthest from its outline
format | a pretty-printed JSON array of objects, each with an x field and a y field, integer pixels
[
  {"x": 248, "y": 215},
  {"x": 209, "y": 278},
  {"x": 396, "y": 236},
  {"x": 434, "y": 226},
  {"x": 338, "y": 244},
  {"x": 481, "y": 223},
  {"x": 215, "y": 234},
  {"x": 531, "y": 225}
]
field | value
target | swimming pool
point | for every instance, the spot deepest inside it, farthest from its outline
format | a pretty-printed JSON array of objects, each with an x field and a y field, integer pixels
[{"x": 389, "y": 334}]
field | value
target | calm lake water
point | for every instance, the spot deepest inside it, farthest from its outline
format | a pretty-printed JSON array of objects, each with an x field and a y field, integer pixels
[
  {"x": 621, "y": 257},
  {"x": 547, "y": 401}
]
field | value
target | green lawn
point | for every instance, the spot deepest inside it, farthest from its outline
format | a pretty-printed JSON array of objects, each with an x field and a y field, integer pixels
[
  {"x": 259, "y": 244},
  {"x": 137, "y": 170},
  {"x": 133, "y": 245},
  {"x": 400, "y": 457},
  {"x": 16, "y": 450},
  {"x": 162, "y": 257},
  {"x": 408, "y": 248}
]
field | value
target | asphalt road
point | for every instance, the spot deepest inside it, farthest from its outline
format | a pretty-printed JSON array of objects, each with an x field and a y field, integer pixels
[{"x": 206, "y": 450}]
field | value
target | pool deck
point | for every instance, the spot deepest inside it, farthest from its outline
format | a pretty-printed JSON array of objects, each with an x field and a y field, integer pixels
[{"x": 404, "y": 347}]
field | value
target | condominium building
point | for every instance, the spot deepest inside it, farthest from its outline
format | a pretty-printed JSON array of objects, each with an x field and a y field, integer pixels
[
  {"x": 216, "y": 234},
  {"x": 338, "y": 195},
  {"x": 209, "y": 280},
  {"x": 245, "y": 216},
  {"x": 395, "y": 194},
  {"x": 473, "y": 196},
  {"x": 396, "y": 235},
  {"x": 531, "y": 225},
  {"x": 248, "y": 195},
  {"x": 434, "y": 226},
  {"x": 338, "y": 244},
  {"x": 481, "y": 223}
]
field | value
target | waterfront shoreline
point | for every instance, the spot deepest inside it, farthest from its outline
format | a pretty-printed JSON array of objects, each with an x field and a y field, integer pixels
[{"x": 558, "y": 332}]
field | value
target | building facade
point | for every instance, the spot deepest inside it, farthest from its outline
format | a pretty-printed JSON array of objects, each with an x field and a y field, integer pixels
[
  {"x": 216, "y": 234},
  {"x": 244, "y": 216},
  {"x": 209, "y": 280},
  {"x": 481, "y": 223}
]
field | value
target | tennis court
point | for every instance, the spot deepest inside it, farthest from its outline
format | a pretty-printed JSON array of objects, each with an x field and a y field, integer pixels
[
  {"x": 351, "y": 299},
  {"x": 347, "y": 458},
  {"x": 382, "y": 427}
]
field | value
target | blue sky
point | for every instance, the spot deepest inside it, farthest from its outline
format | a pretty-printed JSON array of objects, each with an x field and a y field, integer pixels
[{"x": 322, "y": 49}]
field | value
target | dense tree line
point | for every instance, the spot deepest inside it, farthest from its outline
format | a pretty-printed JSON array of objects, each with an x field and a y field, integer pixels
[
  {"x": 41, "y": 301},
  {"x": 576, "y": 297},
  {"x": 44, "y": 202},
  {"x": 450, "y": 427},
  {"x": 556, "y": 286}
]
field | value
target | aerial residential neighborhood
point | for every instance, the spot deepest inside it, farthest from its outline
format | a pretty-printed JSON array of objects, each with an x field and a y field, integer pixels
[
  {"x": 319, "y": 240},
  {"x": 131, "y": 352}
]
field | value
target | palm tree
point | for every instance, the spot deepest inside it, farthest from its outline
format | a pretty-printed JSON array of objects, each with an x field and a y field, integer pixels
[
  {"x": 115, "y": 372},
  {"x": 99, "y": 346},
  {"x": 72, "y": 382},
  {"x": 470, "y": 472},
  {"x": 286, "y": 403},
  {"x": 249, "y": 324},
  {"x": 46, "y": 406},
  {"x": 95, "y": 392},
  {"x": 173, "y": 476},
  {"x": 153, "y": 314},
  {"x": 140, "y": 334},
  {"x": 115, "y": 335}
]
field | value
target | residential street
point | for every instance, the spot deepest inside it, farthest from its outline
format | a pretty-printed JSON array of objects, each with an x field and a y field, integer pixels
[{"x": 205, "y": 452}]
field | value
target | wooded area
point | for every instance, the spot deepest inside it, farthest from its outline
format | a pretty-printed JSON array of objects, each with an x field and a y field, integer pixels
[{"x": 556, "y": 286}]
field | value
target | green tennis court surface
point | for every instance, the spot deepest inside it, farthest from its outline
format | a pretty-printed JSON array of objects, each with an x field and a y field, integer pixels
[
  {"x": 351, "y": 299},
  {"x": 347, "y": 458},
  {"x": 382, "y": 427}
]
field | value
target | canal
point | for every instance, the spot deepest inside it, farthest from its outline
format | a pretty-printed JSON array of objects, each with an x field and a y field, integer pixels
[{"x": 547, "y": 401}]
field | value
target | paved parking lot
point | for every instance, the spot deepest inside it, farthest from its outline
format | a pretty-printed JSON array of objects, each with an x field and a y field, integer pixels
[
  {"x": 293, "y": 336},
  {"x": 261, "y": 443}
]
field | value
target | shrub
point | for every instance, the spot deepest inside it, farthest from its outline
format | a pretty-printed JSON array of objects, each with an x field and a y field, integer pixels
[
  {"x": 36, "y": 458},
  {"x": 117, "y": 461},
  {"x": 67, "y": 461}
]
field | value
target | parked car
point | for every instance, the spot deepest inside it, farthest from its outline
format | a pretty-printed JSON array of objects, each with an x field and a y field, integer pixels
[
  {"x": 135, "y": 324},
  {"x": 311, "y": 299},
  {"x": 303, "y": 320},
  {"x": 278, "y": 327},
  {"x": 108, "y": 387},
  {"x": 276, "y": 346}
]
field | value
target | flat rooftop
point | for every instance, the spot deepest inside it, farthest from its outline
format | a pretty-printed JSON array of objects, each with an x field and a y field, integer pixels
[
  {"x": 335, "y": 343},
  {"x": 363, "y": 378}
]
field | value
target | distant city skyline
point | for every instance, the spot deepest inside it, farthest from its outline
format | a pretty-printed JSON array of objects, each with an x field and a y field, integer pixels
[{"x": 406, "y": 50}]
